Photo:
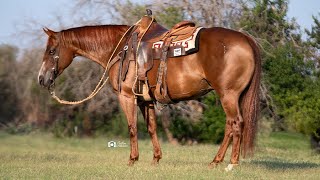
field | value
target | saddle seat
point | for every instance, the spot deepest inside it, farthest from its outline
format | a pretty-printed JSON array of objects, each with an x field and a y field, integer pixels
[
  {"x": 181, "y": 30},
  {"x": 156, "y": 32}
]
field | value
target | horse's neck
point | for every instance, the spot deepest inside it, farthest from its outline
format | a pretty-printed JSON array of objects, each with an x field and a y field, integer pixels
[{"x": 98, "y": 43}]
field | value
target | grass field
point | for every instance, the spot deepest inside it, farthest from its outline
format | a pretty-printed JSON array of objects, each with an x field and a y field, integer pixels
[{"x": 41, "y": 156}]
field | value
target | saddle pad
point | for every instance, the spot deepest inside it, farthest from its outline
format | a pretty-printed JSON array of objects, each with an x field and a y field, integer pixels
[{"x": 179, "y": 48}]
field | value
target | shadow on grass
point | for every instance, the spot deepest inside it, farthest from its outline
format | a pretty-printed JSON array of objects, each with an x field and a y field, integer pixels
[{"x": 275, "y": 164}]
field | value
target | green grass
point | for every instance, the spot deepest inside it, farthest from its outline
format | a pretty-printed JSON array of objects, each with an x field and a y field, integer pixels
[{"x": 41, "y": 156}]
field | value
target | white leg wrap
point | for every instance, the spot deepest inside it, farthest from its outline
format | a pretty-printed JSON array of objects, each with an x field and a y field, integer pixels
[{"x": 230, "y": 167}]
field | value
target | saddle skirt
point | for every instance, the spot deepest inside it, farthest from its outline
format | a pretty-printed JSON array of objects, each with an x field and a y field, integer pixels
[{"x": 179, "y": 47}]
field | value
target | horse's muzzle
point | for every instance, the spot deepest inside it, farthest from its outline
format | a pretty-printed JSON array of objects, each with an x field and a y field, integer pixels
[
  {"x": 45, "y": 81},
  {"x": 41, "y": 80}
]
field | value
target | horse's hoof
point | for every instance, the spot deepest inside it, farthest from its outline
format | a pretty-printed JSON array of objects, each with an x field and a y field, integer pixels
[
  {"x": 230, "y": 167},
  {"x": 131, "y": 162},
  {"x": 213, "y": 165},
  {"x": 155, "y": 162}
]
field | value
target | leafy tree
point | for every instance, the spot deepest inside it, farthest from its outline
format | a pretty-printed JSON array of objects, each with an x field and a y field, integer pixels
[
  {"x": 313, "y": 42},
  {"x": 314, "y": 34},
  {"x": 288, "y": 70},
  {"x": 266, "y": 20},
  {"x": 8, "y": 98}
]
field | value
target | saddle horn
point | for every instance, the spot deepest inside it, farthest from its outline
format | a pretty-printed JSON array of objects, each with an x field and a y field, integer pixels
[{"x": 149, "y": 12}]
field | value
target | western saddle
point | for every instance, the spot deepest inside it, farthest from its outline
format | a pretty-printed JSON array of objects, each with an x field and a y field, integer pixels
[{"x": 139, "y": 48}]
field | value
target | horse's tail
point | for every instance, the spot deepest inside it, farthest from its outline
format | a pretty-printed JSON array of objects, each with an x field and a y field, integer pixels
[{"x": 249, "y": 103}]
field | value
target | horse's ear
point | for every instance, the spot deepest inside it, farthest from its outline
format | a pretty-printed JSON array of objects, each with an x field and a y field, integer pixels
[{"x": 49, "y": 32}]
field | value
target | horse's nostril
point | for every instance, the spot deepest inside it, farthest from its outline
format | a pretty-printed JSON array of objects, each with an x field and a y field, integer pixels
[{"x": 41, "y": 80}]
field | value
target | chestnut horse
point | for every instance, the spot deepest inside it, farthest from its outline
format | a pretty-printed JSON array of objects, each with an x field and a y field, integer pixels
[{"x": 227, "y": 62}]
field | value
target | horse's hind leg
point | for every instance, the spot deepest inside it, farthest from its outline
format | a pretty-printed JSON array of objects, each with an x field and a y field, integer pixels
[
  {"x": 148, "y": 111},
  {"x": 230, "y": 105},
  {"x": 237, "y": 126},
  {"x": 224, "y": 145},
  {"x": 130, "y": 110}
]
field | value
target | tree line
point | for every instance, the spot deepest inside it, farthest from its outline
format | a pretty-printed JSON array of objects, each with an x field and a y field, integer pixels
[{"x": 289, "y": 90}]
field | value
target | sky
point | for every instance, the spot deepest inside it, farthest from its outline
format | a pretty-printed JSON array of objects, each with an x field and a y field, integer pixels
[{"x": 15, "y": 14}]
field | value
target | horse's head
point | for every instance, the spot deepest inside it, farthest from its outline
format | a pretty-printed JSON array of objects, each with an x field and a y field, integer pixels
[{"x": 56, "y": 58}]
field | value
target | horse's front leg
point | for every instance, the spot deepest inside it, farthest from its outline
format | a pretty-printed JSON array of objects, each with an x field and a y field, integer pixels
[
  {"x": 147, "y": 109},
  {"x": 130, "y": 110}
]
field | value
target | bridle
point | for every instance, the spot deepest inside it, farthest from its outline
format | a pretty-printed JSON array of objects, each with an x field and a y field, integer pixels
[
  {"x": 54, "y": 74},
  {"x": 55, "y": 69}
]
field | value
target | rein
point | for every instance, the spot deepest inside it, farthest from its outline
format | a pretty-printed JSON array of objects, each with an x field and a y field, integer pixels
[{"x": 100, "y": 84}]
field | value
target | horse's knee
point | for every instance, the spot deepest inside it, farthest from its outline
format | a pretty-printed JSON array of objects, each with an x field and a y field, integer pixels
[
  {"x": 132, "y": 130},
  {"x": 237, "y": 127}
]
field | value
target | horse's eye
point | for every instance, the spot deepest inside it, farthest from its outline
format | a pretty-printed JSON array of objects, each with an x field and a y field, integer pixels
[{"x": 51, "y": 52}]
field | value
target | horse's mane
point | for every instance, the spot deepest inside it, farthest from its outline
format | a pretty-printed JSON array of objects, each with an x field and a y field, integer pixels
[{"x": 92, "y": 37}]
